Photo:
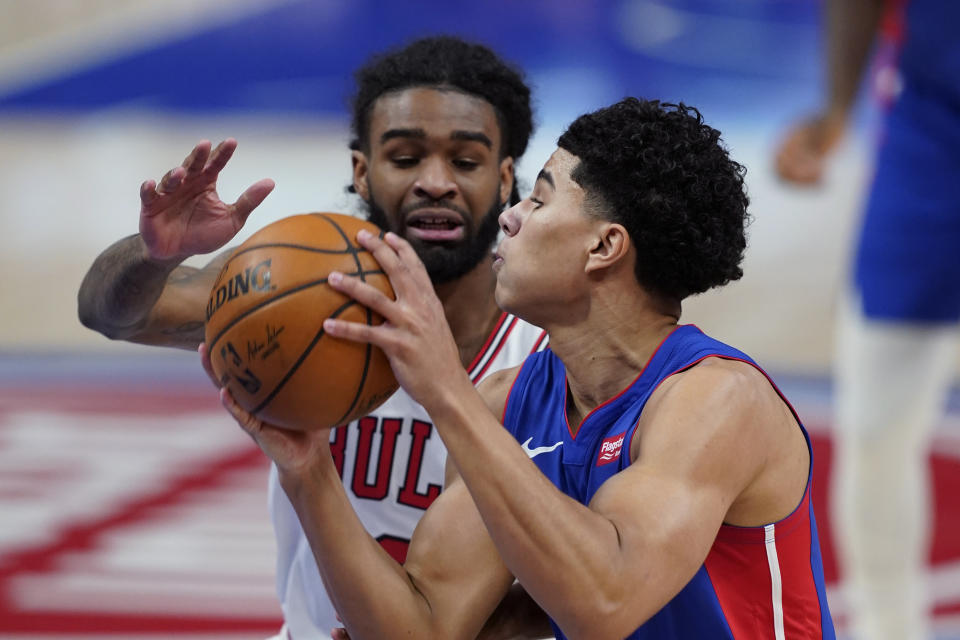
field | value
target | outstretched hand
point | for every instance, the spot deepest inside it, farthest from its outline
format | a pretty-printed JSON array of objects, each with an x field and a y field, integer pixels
[
  {"x": 183, "y": 215},
  {"x": 293, "y": 451},
  {"x": 415, "y": 335},
  {"x": 801, "y": 158}
]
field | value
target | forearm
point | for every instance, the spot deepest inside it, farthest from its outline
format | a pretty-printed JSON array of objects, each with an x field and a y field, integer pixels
[
  {"x": 850, "y": 30},
  {"x": 121, "y": 287},
  {"x": 374, "y": 596},
  {"x": 541, "y": 533},
  {"x": 126, "y": 295}
]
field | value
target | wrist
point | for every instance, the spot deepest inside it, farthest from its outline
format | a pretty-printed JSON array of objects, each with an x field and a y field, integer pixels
[
  {"x": 827, "y": 128},
  {"x": 835, "y": 117},
  {"x": 159, "y": 262},
  {"x": 449, "y": 395},
  {"x": 315, "y": 471},
  {"x": 449, "y": 403}
]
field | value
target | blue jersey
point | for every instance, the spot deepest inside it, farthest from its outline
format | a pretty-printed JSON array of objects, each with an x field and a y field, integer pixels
[
  {"x": 757, "y": 582},
  {"x": 906, "y": 266}
]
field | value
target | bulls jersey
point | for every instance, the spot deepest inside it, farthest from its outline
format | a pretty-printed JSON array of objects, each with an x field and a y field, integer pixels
[
  {"x": 756, "y": 582},
  {"x": 392, "y": 466}
]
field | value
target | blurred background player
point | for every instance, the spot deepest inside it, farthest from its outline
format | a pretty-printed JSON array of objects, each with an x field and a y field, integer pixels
[
  {"x": 437, "y": 127},
  {"x": 896, "y": 330}
]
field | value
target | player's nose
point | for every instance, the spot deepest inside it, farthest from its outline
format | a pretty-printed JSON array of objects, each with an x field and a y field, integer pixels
[
  {"x": 435, "y": 180},
  {"x": 509, "y": 221}
]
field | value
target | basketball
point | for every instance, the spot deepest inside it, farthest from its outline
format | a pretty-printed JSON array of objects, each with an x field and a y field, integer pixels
[{"x": 264, "y": 324}]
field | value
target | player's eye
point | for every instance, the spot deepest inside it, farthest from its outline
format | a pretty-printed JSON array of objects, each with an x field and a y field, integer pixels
[{"x": 404, "y": 162}]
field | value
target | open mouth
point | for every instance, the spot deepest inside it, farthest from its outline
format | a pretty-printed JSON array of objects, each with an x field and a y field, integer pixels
[{"x": 436, "y": 226}]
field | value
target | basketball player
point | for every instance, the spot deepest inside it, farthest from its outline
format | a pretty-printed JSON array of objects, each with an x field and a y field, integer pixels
[
  {"x": 438, "y": 126},
  {"x": 661, "y": 488},
  {"x": 897, "y": 326}
]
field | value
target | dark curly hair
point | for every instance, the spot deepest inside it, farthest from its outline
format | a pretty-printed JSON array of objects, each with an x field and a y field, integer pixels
[
  {"x": 662, "y": 173},
  {"x": 447, "y": 61}
]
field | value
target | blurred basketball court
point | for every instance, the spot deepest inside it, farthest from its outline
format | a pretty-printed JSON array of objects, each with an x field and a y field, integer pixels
[{"x": 130, "y": 504}]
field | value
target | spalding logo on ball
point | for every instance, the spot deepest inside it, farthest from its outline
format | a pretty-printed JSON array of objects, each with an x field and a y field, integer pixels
[{"x": 264, "y": 329}]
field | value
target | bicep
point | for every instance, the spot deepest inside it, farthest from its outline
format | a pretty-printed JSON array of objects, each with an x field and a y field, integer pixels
[
  {"x": 665, "y": 523},
  {"x": 453, "y": 562},
  {"x": 695, "y": 452}
]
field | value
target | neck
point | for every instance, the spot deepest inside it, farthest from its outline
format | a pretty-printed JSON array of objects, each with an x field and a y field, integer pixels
[
  {"x": 471, "y": 308},
  {"x": 609, "y": 347}
]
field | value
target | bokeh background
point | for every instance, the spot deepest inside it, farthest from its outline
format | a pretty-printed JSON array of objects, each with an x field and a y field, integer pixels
[{"x": 130, "y": 506}]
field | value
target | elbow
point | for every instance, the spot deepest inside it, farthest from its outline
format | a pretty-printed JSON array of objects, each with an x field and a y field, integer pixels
[
  {"x": 91, "y": 319},
  {"x": 87, "y": 317},
  {"x": 604, "y": 618}
]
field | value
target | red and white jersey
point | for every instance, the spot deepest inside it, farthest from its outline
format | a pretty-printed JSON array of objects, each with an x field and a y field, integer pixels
[{"x": 392, "y": 466}]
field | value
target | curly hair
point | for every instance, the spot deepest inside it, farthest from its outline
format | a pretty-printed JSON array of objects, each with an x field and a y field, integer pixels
[
  {"x": 663, "y": 174},
  {"x": 447, "y": 61}
]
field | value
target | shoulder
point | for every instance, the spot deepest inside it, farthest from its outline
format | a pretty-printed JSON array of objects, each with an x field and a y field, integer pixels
[
  {"x": 722, "y": 403},
  {"x": 715, "y": 380}
]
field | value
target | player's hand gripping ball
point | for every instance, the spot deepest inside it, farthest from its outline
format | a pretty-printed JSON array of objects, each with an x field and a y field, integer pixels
[{"x": 264, "y": 328}]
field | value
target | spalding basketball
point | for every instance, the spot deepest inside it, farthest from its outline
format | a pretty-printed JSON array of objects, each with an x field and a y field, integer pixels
[{"x": 264, "y": 329}]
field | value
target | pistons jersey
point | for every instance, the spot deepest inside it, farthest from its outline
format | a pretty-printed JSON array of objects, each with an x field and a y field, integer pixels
[
  {"x": 392, "y": 466},
  {"x": 756, "y": 582},
  {"x": 905, "y": 268}
]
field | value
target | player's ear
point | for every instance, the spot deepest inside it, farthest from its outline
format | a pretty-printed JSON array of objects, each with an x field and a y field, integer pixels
[
  {"x": 360, "y": 169},
  {"x": 610, "y": 246},
  {"x": 506, "y": 179}
]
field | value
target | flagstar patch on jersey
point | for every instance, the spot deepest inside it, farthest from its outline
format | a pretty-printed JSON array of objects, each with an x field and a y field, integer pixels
[{"x": 610, "y": 449}]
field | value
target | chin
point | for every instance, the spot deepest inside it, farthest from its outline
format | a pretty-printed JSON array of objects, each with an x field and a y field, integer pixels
[
  {"x": 502, "y": 298},
  {"x": 508, "y": 303}
]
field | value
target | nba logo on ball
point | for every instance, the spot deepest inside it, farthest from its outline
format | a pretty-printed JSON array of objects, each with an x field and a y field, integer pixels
[
  {"x": 610, "y": 449},
  {"x": 264, "y": 329}
]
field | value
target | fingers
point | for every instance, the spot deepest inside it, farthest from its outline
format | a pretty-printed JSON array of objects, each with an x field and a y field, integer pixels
[
  {"x": 220, "y": 156},
  {"x": 148, "y": 192},
  {"x": 151, "y": 192},
  {"x": 408, "y": 277},
  {"x": 208, "y": 365},
  {"x": 171, "y": 180},
  {"x": 405, "y": 250},
  {"x": 355, "y": 331},
  {"x": 362, "y": 292},
  {"x": 251, "y": 199},
  {"x": 247, "y": 421},
  {"x": 197, "y": 159},
  {"x": 400, "y": 262},
  {"x": 800, "y": 162},
  {"x": 201, "y": 162},
  {"x": 339, "y": 633},
  {"x": 802, "y": 157}
]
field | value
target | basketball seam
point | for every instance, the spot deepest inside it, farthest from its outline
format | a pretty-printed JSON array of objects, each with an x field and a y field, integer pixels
[
  {"x": 279, "y": 296},
  {"x": 288, "y": 245},
  {"x": 303, "y": 356},
  {"x": 352, "y": 250}
]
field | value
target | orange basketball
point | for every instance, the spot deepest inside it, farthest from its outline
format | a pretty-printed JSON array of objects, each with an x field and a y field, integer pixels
[{"x": 264, "y": 329}]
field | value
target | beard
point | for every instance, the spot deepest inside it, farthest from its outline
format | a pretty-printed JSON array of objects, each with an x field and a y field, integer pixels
[{"x": 445, "y": 261}]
